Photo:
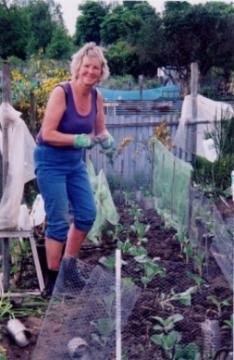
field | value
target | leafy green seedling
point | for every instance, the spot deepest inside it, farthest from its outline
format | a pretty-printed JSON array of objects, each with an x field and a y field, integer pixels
[
  {"x": 124, "y": 246},
  {"x": 108, "y": 261},
  {"x": 187, "y": 250},
  {"x": 168, "y": 324},
  {"x": 104, "y": 327},
  {"x": 168, "y": 342},
  {"x": 228, "y": 324},
  {"x": 187, "y": 352},
  {"x": 137, "y": 251},
  {"x": 199, "y": 261},
  {"x": 185, "y": 298},
  {"x": 140, "y": 229},
  {"x": 166, "y": 336},
  {"x": 6, "y": 309},
  {"x": 197, "y": 278},
  {"x": 151, "y": 269},
  {"x": 218, "y": 303}
]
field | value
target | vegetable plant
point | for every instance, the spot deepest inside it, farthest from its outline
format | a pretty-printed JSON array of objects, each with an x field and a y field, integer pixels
[
  {"x": 151, "y": 269},
  {"x": 166, "y": 337},
  {"x": 140, "y": 229},
  {"x": 218, "y": 303},
  {"x": 185, "y": 298},
  {"x": 197, "y": 278},
  {"x": 199, "y": 261},
  {"x": 228, "y": 323}
]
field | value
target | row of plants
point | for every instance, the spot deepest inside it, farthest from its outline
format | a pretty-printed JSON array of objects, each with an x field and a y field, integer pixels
[{"x": 132, "y": 240}]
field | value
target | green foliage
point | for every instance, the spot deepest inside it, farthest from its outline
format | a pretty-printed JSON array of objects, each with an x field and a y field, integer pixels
[
  {"x": 218, "y": 303},
  {"x": 141, "y": 230},
  {"x": 108, "y": 261},
  {"x": 197, "y": 279},
  {"x": 151, "y": 269},
  {"x": 187, "y": 352},
  {"x": 199, "y": 261},
  {"x": 223, "y": 136},
  {"x": 122, "y": 58},
  {"x": 168, "y": 339},
  {"x": 113, "y": 28},
  {"x": 185, "y": 298},
  {"x": 195, "y": 33},
  {"x": 6, "y": 309},
  {"x": 60, "y": 46},
  {"x": 167, "y": 342},
  {"x": 40, "y": 26},
  {"x": 88, "y": 24},
  {"x": 216, "y": 174},
  {"x": 228, "y": 323},
  {"x": 13, "y": 40},
  {"x": 168, "y": 324},
  {"x": 31, "y": 28}
]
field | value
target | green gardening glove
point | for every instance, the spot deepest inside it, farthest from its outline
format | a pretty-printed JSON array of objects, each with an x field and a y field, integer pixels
[
  {"x": 83, "y": 141},
  {"x": 105, "y": 139}
]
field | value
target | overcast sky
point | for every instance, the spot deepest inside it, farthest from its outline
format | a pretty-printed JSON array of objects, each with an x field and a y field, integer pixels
[{"x": 70, "y": 10}]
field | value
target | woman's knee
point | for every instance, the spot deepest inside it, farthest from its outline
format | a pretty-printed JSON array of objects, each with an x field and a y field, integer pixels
[{"x": 85, "y": 222}]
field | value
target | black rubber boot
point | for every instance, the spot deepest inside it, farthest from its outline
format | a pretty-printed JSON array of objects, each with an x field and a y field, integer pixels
[
  {"x": 49, "y": 283},
  {"x": 70, "y": 279}
]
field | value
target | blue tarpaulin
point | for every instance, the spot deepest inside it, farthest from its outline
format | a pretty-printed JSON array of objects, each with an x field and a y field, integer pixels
[{"x": 170, "y": 91}]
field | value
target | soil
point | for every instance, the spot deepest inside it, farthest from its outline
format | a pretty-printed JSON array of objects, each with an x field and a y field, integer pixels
[{"x": 162, "y": 246}]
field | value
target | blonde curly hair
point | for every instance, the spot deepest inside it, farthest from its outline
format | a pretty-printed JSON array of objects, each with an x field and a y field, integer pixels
[{"x": 93, "y": 51}]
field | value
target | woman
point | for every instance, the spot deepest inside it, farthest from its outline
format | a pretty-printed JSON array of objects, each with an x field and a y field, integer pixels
[{"x": 73, "y": 121}]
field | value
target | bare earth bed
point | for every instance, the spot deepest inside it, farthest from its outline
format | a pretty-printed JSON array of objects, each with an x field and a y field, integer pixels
[{"x": 163, "y": 246}]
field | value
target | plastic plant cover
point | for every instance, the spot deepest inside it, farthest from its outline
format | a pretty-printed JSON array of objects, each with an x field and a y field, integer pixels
[
  {"x": 171, "y": 182},
  {"x": 207, "y": 110},
  {"x": 106, "y": 210},
  {"x": 20, "y": 164}
]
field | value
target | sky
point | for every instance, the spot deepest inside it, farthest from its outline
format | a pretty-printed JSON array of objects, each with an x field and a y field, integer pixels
[{"x": 70, "y": 10}]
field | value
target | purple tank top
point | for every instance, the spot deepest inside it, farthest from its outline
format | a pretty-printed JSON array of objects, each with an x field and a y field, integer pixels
[{"x": 72, "y": 122}]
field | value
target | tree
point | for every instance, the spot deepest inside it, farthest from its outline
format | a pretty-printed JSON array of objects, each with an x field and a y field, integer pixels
[
  {"x": 122, "y": 59},
  {"x": 201, "y": 33},
  {"x": 149, "y": 41},
  {"x": 88, "y": 24},
  {"x": 60, "y": 46},
  {"x": 113, "y": 26},
  {"x": 14, "y": 31},
  {"x": 41, "y": 25}
]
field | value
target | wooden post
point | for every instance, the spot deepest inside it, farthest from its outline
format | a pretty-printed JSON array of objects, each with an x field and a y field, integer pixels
[
  {"x": 191, "y": 138},
  {"x": 141, "y": 85},
  {"x": 5, "y": 164}
]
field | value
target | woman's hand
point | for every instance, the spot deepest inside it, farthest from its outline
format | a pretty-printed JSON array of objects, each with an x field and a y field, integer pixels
[
  {"x": 84, "y": 141},
  {"x": 105, "y": 139}
]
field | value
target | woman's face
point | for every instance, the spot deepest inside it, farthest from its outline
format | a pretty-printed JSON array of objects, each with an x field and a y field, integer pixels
[{"x": 90, "y": 71}]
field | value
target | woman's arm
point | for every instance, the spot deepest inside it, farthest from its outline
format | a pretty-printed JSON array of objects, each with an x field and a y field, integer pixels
[
  {"x": 100, "y": 118},
  {"x": 53, "y": 115},
  {"x": 102, "y": 134}
]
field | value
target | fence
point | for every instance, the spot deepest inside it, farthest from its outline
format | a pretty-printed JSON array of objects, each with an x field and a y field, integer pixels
[{"x": 133, "y": 162}]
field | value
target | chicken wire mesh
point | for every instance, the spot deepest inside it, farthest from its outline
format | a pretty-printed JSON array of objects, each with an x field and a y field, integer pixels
[
  {"x": 208, "y": 229},
  {"x": 81, "y": 323}
]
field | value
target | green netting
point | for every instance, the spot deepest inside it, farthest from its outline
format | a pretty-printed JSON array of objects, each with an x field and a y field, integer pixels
[
  {"x": 106, "y": 210},
  {"x": 207, "y": 226},
  {"x": 171, "y": 181}
]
